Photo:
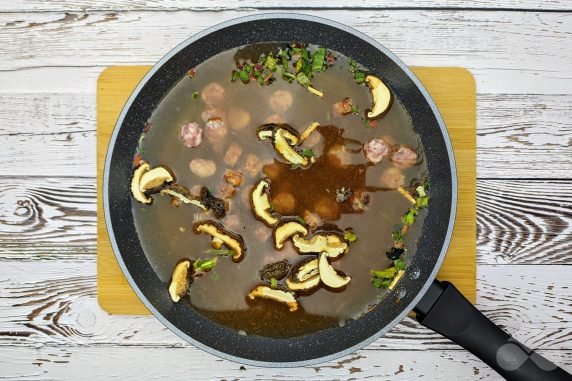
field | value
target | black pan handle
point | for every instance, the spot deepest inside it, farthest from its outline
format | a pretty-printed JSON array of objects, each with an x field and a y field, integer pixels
[{"x": 446, "y": 311}]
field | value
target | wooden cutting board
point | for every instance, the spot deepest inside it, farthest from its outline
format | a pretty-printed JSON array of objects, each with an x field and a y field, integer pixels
[{"x": 453, "y": 90}]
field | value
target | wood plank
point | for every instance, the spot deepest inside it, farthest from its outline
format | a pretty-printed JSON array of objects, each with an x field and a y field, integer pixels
[
  {"x": 55, "y": 303},
  {"x": 201, "y": 5},
  {"x": 121, "y": 363},
  {"x": 515, "y": 132},
  {"x": 518, "y": 224},
  {"x": 510, "y": 229},
  {"x": 527, "y": 49}
]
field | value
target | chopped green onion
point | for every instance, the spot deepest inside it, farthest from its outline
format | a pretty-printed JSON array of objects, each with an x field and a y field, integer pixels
[
  {"x": 205, "y": 265},
  {"x": 270, "y": 63},
  {"x": 422, "y": 202},
  {"x": 399, "y": 264},
  {"x": 307, "y": 152},
  {"x": 409, "y": 217},
  {"x": 244, "y": 77},
  {"x": 300, "y": 220},
  {"x": 234, "y": 76},
  {"x": 195, "y": 95},
  {"x": 355, "y": 109},
  {"x": 247, "y": 68},
  {"x": 223, "y": 252},
  {"x": 303, "y": 79},
  {"x": 359, "y": 77},
  {"x": 318, "y": 59},
  {"x": 350, "y": 236},
  {"x": 288, "y": 76},
  {"x": 381, "y": 283},
  {"x": 273, "y": 282},
  {"x": 397, "y": 236},
  {"x": 387, "y": 273}
]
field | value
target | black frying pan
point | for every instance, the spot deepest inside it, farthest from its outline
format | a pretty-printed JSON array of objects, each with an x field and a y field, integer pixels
[{"x": 438, "y": 305}]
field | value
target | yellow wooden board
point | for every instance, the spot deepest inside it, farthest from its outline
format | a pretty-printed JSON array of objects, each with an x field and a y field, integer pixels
[{"x": 453, "y": 90}]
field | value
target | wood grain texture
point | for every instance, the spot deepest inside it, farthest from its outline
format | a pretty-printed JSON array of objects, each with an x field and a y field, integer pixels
[
  {"x": 55, "y": 304},
  {"x": 498, "y": 47},
  {"x": 62, "y": 117},
  {"x": 201, "y": 5},
  {"x": 452, "y": 89},
  {"x": 539, "y": 235},
  {"x": 61, "y": 363},
  {"x": 47, "y": 218}
]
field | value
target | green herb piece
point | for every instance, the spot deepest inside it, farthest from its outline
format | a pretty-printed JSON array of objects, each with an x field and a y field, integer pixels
[
  {"x": 208, "y": 264},
  {"x": 422, "y": 202},
  {"x": 350, "y": 236},
  {"x": 247, "y": 68},
  {"x": 244, "y": 77},
  {"x": 300, "y": 220},
  {"x": 387, "y": 273},
  {"x": 359, "y": 77},
  {"x": 318, "y": 59},
  {"x": 381, "y": 283},
  {"x": 399, "y": 264},
  {"x": 353, "y": 64},
  {"x": 307, "y": 152},
  {"x": 270, "y": 63},
  {"x": 409, "y": 217},
  {"x": 195, "y": 95},
  {"x": 288, "y": 76},
  {"x": 273, "y": 282},
  {"x": 222, "y": 252},
  {"x": 214, "y": 276},
  {"x": 355, "y": 109},
  {"x": 299, "y": 65},
  {"x": 397, "y": 236},
  {"x": 303, "y": 79},
  {"x": 234, "y": 76}
]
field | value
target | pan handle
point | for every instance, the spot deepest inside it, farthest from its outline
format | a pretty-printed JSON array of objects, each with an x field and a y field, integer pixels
[{"x": 446, "y": 311}]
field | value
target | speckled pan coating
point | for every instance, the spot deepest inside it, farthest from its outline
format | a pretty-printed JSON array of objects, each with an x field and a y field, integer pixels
[{"x": 324, "y": 345}]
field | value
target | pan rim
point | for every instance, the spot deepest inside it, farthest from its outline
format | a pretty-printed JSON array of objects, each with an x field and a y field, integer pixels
[{"x": 428, "y": 99}]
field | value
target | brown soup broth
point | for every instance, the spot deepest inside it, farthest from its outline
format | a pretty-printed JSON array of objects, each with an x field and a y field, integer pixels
[{"x": 166, "y": 232}]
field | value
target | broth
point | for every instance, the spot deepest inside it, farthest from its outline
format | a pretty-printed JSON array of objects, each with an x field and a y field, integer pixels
[{"x": 166, "y": 232}]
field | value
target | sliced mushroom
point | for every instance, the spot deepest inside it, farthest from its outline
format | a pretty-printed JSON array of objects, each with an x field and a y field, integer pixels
[
  {"x": 283, "y": 144},
  {"x": 231, "y": 240},
  {"x": 261, "y": 203},
  {"x": 305, "y": 270},
  {"x": 304, "y": 285},
  {"x": 331, "y": 244},
  {"x": 381, "y": 95},
  {"x": 181, "y": 193},
  {"x": 136, "y": 179},
  {"x": 281, "y": 296},
  {"x": 180, "y": 280},
  {"x": 286, "y": 230},
  {"x": 154, "y": 179},
  {"x": 267, "y": 130},
  {"x": 304, "y": 276},
  {"x": 328, "y": 274}
]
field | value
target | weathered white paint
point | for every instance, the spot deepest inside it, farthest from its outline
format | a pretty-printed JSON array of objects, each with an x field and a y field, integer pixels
[{"x": 199, "y": 5}]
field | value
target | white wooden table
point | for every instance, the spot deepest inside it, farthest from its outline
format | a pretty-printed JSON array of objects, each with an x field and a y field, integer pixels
[{"x": 51, "y": 52}]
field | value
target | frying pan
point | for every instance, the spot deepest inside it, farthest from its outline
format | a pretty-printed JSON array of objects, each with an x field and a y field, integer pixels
[{"x": 438, "y": 305}]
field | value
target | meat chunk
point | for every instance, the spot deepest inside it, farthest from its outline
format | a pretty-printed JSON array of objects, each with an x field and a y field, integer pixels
[
  {"x": 392, "y": 178},
  {"x": 280, "y": 101},
  {"x": 238, "y": 118},
  {"x": 227, "y": 191},
  {"x": 404, "y": 157},
  {"x": 343, "y": 107},
  {"x": 232, "y": 154},
  {"x": 202, "y": 167},
  {"x": 376, "y": 150},
  {"x": 213, "y": 94},
  {"x": 191, "y": 134},
  {"x": 234, "y": 178},
  {"x": 212, "y": 113},
  {"x": 215, "y": 130},
  {"x": 312, "y": 219},
  {"x": 253, "y": 165}
]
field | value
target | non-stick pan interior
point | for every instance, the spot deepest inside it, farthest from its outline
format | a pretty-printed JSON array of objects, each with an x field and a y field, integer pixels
[{"x": 323, "y": 345}]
